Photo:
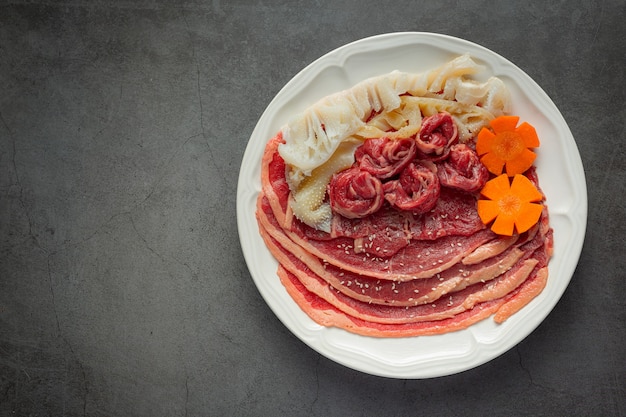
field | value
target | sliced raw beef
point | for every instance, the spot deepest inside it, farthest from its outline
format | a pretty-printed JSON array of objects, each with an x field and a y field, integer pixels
[
  {"x": 355, "y": 194},
  {"x": 448, "y": 307},
  {"x": 407, "y": 253},
  {"x": 419, "y": 259},
  {"x": 409, "y": 293},
  {"x": 502, "y": 307},
  {"x": 453, "y": 215},
  {"x": 370, "y": 292},
  {"x": 325, "y": 314},
  {"x": 273, "y": 179},
  {"x": 437, "y": 134},
  {"x": 462, "y": 170},
  {"x": 417, "y": 189},
  {"x": 385, "y": 158}
]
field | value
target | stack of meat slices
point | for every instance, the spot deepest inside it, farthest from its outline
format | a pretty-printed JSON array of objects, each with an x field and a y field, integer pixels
[{"x": 396, "y": 273}]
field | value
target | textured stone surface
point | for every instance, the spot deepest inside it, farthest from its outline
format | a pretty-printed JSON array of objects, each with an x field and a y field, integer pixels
[{"x": 123, "y": 289}]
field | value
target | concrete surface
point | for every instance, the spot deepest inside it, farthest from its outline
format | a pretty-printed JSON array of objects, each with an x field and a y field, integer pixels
[{"x": 123, "y": 289}]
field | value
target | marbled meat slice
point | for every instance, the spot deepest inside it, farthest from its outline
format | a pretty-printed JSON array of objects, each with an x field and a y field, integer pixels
[
  {"x": 419, "y": 259},
  {"x": 325, "y": 314},
  {"x": 376, "y": 291},
  {"x": 447, "y": 307},
  {"x": 396, "y": 273}
]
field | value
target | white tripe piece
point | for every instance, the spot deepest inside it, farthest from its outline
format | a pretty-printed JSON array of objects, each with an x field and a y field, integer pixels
[
  {"x": 308, "y": 201},
  {"x": 492, "y": 95},
  {"x": 313, "y": 136}
]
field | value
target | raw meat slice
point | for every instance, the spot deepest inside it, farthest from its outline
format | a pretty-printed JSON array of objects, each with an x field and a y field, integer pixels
[
  {"x": 437, "y": 134},
  {"x": 377, "y": 291},
  {"x": 384, "y": 157},
  {"x": 355, "y": 194},
  {"x": 419, "y": 259},
  {"x": 325, "y": 314},
  {"x": 462, "y": 170},
  {"x": 417, "y": 189},
  {"x": 449, "y": 306}
]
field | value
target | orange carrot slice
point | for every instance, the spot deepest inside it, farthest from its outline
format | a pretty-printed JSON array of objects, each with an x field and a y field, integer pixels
[
  {"x": 508, "y": 146},
  {"x": 511, "y": 206}
]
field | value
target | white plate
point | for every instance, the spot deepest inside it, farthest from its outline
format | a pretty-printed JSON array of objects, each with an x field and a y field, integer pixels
[{"x": 558, "y": 164}]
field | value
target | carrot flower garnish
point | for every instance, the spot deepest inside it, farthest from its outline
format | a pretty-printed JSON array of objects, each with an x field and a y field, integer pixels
[
  {"x": 507, "y": 145},
  {"x": 510, "y": 205}
]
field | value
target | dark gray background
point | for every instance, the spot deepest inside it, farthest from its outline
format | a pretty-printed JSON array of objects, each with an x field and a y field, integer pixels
[{"x": 123, "y": 289}]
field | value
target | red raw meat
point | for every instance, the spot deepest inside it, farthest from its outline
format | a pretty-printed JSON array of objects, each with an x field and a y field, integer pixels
[
  {"x": 355, "y": 194},
  {"x": 417, "y": 189},
  {"x": 407, "y": 254},
  {"x": 384, "y": 157},
  {"x": 462, "y": 170}
]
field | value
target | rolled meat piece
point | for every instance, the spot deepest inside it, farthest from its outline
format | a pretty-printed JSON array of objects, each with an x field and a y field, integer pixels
[
  {"x": 437, "y": 134},
  {"x": 416, "y": 190},
  {"x": 462, "y": 170},
  {"x": 355, "y": 193},
  {"x": 385, "y": 158}
]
